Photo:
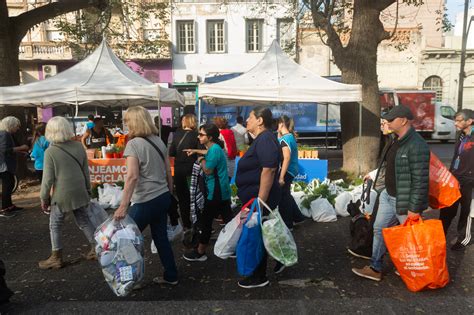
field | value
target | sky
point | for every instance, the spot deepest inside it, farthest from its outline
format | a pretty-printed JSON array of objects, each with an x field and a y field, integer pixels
[{"x": 456, "y": 6}]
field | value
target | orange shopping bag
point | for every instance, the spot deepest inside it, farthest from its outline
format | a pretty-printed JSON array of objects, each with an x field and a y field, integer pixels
[
  {"x": 418, "y": 251},
  {"x": 444, "y": 187}
]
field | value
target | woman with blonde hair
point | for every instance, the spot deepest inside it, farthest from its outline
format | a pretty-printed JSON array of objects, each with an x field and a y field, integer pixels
[
  {"x": 8, "y": 126},
  {"x": 184, "y": 139},
  {"x": 65, "y": 188},
  {"x": 148, "y": 186}
]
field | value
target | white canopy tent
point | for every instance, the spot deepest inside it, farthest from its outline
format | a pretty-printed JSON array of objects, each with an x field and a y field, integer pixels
[
  {"x": 277, "y": 79},
  {"x": 101, "y": 77}
]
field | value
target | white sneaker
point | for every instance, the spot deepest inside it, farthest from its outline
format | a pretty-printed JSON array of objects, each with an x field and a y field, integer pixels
[{"x": 174, "y": 232}]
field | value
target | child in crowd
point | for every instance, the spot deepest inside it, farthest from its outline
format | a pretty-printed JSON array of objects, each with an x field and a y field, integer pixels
[{"x": 40, "y": 144}]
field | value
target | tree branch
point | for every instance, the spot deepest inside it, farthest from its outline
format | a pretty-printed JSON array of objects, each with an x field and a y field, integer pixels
[
  {"x": 23, "y": 22},
  {"x": 323, "y": 22},
  {"x": 382, "y": 4}
]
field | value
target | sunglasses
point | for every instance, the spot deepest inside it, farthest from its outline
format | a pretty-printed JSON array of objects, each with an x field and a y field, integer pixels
[{"x": 202, "y": 135}]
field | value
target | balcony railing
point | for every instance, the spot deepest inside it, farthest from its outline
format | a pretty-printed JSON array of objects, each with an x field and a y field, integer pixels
[
  {"x": 56, "y": 51},
  {"x": 44, "y": 51}
]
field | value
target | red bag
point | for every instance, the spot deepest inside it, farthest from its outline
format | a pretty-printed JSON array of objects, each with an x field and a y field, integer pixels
[
  {"x": 444, "y": 187},
  {"x": 418, "y": 251}
]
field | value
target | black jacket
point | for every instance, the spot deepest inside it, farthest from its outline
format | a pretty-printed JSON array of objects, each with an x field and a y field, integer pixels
[
  {"x": 7, "y": 155},
  {"x": 465, "y": 171}
]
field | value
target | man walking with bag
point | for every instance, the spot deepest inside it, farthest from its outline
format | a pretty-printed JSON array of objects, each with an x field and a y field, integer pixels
[
  {"x": 462, "y": 167},
  {"x": 406, "y": 185}
]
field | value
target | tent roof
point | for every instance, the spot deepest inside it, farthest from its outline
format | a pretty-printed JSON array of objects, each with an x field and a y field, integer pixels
[
  {"x": 102, "y": 77},
  {"x": 278, "y": 79}
]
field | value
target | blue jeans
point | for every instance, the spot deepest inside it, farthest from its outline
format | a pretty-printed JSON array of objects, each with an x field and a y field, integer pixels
[
  {"x": 155, "y": 214},
  {"x": 386, "y": 217}
]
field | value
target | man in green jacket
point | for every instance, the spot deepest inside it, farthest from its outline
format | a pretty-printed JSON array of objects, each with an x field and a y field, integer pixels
[{"x": 406, "y": 185}]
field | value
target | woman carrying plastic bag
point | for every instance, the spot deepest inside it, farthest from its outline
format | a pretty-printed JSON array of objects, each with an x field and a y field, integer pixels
[
  {"x": 278, "y": 239},
  {"x": 120, "y": 253},
  {"x": 418, "y": 251},
  {"x": 229, "y": 236}
]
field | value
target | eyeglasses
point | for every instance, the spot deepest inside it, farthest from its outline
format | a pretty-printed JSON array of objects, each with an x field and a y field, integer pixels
[{"x": 202, "y": 135}]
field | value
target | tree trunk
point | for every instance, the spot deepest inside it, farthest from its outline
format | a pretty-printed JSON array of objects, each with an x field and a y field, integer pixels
[
  {"x": 359, "y": 66},
  {"x": 10, "y": 75}
]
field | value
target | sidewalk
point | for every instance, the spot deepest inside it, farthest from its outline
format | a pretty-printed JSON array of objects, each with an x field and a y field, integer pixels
[{"x": 322, "y": 281}]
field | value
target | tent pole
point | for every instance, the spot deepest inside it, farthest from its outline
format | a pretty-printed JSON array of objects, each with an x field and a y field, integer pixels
[
  {"x": 159, "y": 119},
  {"x": 327, "y": 118},
  {"x": 199, "y": 111},
  {"x": 359, "y": 153}
]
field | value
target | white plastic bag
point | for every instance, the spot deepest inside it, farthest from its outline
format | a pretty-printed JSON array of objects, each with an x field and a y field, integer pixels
[
  {"x": 96, "y": 214},
  {"x": 228, "y": 238},
  {"x": 342, "y": 200},
  {"x": 110, "y": 195},
  {"x": 323, "y": 211},
  {"x": 277, "y": 238},
  {"x": 120, "y": 253}
]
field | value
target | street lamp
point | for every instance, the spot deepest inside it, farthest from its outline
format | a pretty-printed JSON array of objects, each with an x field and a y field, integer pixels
[{"x": 465, "y": 32}]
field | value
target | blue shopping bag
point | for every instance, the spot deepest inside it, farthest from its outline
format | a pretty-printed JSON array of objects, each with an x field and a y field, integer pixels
[{"x": 250, "y": 248}]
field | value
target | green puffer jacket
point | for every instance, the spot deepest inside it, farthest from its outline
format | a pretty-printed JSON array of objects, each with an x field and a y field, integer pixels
[{"x": 412, "y": 166}]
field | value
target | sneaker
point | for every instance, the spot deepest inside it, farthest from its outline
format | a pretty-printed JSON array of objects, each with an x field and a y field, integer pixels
[
  {"x": 6, "y": 213},
  {"x": 174, "y": 232},
  {"x": 279, "y": 267},
  {"x": 458, "y": 247},
  {"x": 397, "y": 273},
  {"x": 253, "y": 282},
  {"x": 368, "y": 273},
  {"x": 194, "y": 256},
  {"x": 160, "y": 280},
  {"x": 353, "y": 253}
]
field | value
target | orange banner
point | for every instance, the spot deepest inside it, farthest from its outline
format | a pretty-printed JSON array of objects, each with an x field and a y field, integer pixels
[{"x": 107, "y": 170}]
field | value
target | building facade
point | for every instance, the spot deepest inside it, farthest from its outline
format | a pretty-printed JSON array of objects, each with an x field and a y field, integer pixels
[{"x": 212, "y": 37}]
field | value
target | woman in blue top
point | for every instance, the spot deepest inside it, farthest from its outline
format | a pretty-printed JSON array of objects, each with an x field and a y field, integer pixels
[
  {"x": 40, "y": 144},
  {"x": 214, "y": 165},
  {"x": 289, "y": 169}
]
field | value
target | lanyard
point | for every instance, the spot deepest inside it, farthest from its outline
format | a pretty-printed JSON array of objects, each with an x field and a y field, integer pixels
[{"x": 462, "y": 144}]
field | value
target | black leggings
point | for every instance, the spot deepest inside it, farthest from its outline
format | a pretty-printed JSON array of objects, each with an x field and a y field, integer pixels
[
  {"x": 8, "y": 183},
  {"x": 211, "y": 209},
  {"x": 181, "y": 174}
]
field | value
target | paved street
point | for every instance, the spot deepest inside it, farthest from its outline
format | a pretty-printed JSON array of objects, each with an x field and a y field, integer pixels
[{"x": 322, "y": 281}]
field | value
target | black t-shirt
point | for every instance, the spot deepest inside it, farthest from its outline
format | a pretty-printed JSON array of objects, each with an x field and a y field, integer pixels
[
  {"x": 190, "y": 142},
  {"x": 165, "y": 133},
  {"x": 98, "y": 139},
  {"x": 390, "y": 181},
  {"x": 264, "y": 152}
]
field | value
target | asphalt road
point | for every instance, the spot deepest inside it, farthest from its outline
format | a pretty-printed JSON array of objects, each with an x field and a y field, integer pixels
[{"x": 321, "y": 282}]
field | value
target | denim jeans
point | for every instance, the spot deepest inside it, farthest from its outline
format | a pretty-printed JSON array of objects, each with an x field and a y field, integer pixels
[
  {"x": 155, "y": 214},
  {"x": 56, "y": 221},
  {"x": 386, "y": 217}
]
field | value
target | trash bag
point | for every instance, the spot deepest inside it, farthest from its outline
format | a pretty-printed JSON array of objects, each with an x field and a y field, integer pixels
[
  {"x": 342, "y": 201},
  {"x": 444, "y": 187},
  {"x": 250, "y": 248},
  {"x": 110, "y": 196},
  {"x": 97, "y": 215},
  {"x": 120, "y": 250},
  {"x": 277, "y": 238},
  {"x": 229, "y": 236},
  {"x": 418, "y": 251},
  {"x": 299, "y": 196},
  {"x": 323, "y": 211}
]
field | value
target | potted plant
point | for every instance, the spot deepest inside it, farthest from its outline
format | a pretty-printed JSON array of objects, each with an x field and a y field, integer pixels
[
  {"x": 110, "y": 151},
  {"x": 119, "y": 152}
]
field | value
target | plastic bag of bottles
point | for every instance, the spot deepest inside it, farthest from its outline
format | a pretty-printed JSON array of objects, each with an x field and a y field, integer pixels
[{"x": 120, "y": 250}]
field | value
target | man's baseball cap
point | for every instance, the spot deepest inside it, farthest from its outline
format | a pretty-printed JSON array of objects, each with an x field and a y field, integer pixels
[{"x": 399, "y": 111}]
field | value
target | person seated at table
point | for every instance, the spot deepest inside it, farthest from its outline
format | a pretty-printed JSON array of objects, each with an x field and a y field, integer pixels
[{"x": 99, "y": 136}]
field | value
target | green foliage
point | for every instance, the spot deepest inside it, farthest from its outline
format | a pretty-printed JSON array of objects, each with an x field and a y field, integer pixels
[
  {"x": 122, "y": 23},
  {"x": 320, "y": 192},
  {"x": 233, "y": 190}
]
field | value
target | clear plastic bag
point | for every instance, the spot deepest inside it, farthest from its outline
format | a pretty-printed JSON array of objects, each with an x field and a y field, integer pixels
[
  {"x": 120, "y": 250},
  {"x": 278, "y": 240}
]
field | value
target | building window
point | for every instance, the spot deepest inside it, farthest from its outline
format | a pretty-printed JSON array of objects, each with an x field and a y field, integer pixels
[
  {"x": 285, "y": 33},
  {"x": 185, "y": 33},
  {"x": 254, "y": 35},
  {"x": 434, "y": 83},
  {"x": 215, "y": 36}
]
